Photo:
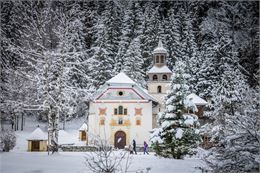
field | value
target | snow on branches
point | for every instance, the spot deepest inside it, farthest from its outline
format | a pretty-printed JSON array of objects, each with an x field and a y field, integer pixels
[{"x": 178, "y": 132}]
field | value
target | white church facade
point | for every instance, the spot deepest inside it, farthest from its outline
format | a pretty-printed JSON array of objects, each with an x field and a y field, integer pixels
[{"x": 121, "y": 110}]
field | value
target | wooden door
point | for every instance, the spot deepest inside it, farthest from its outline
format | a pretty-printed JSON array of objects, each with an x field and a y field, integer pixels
[
  {"x": 120, "y": 139},
  {"x": 83, "y": 137},
  {"x": 35, "y": 145}
]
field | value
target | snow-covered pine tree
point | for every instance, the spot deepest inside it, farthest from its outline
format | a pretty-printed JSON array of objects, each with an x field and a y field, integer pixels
[
  {"x": 177, "y": 133},
  {"x": 172, "y": 37},
  {"x": 105, "y": 47},
  {"x": 131, "y": 28},
  {"x": 72, "y": 50},
  {"x": 234, "y": 129},
  {"x": 207, "y": 74},
  {"x": 101, "y": 67},
  {"x": 133, "y": 62},
  {"x": 150, "y": 28},
  {"x": 238, "y": 151},
  {"x": 16, "y": 87},
  {"x": 112, "y": 20}
]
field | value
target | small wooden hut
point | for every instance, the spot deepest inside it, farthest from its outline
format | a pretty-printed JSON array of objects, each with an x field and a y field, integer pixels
[
  {"x": 199, "y": 102},
  {"x": 37, "y": 141},
  {"x": 83, "y": 136}
]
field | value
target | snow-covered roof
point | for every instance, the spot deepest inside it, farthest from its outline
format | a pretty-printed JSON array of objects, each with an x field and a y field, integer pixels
[
  {"x": 159, "y": 48},
  {"x": 196, "y": 99},
  {"x": 83, "y": 127},
  {"x": 37, "y": 134},
  {"x": 163, "y": 69},
  {"x": 121, "y": 78}
]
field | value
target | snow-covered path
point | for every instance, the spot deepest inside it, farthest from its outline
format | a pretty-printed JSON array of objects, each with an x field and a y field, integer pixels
[{"x": 72, "y": 162}]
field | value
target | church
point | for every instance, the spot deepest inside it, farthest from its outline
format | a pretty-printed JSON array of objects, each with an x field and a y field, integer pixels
[{"x": 121, "y": 110}]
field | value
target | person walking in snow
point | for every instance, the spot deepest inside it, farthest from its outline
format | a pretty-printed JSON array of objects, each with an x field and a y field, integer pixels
[
  {"x": 145, "y": 148},
  {"x": 134, "y": 146}
]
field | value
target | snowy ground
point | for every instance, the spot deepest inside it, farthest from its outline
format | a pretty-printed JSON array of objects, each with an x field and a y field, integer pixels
[
  {"x": 68, "y": 162},
  {"x": 21, "y": 161}
]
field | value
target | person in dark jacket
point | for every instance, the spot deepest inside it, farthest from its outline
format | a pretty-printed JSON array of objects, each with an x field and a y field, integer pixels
[
  {"x": 145, "y": 148},
  {"x": 134, "y": 146}
]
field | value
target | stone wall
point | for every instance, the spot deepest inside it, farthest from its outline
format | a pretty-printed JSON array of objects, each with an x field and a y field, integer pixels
[
  {"x": 67, "y": 148},
  {"x": 70, "y": 148}
]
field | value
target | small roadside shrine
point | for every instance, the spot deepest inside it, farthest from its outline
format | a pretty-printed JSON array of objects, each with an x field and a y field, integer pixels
[
  {"x": 83, "y": 132},
  {"x": 37, "y": 141}
]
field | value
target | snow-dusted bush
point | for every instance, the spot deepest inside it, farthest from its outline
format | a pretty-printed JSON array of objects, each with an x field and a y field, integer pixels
[
  {"x": 7, "y": 140},
  {"x": 237, "y": 147},
  {"x": 106, "y": 160}
]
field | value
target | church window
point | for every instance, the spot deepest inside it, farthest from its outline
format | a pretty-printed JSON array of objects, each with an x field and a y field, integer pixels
[
  {"x": 115, "y": 111},
  {"x": 102, "y": 121},
  {"x": 159, "y": 89},
  {"x": 162, "y": 59},
  {"x": 120, "y": 110},
  {"x": 155, "y": 77},
  {"x": 120, "y": 93},
  {"x": 164, "y": 77},
  {"x": 120, "y": 121},
  {"x": 125, "y": 111},
  {"x": 138, "y": 122},
  {"x": 157, "y": 59}
]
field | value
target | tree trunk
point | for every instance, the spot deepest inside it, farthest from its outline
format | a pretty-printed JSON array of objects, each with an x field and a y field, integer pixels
[
  {"x": 22, "y": 122},
  {"x": 53, "y": 129}
]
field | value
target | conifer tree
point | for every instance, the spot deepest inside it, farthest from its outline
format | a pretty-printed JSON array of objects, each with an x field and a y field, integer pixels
[
  {"x": 133, "y": 62},
  {"x": 178, "y": 132},
  {"x": 234, "y": 130}
]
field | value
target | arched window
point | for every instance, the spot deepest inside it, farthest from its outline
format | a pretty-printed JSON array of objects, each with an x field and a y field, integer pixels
[
  {"x": 138, "y": 122},
  {"x": 164, "y": 77},
  {"x": 120, "y": 110},
  {"x": 157, "y": 59},
  {"x": 162, "y": 59},
  {"x": 159, "y": 89},
  {"x": 155, "y": 77}
]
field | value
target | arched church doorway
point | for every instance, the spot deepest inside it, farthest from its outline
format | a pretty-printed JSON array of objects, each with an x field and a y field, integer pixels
[{"x": 120, "y": 139}]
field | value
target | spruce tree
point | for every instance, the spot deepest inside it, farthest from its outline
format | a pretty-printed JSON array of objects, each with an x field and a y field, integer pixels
[
  {"x": 133, "y": 62},
  {"x": 178, "y": 132}
]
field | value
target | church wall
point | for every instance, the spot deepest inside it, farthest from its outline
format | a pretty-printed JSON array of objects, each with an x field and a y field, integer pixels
[
  {"x": 138, "y": 132},
  {"x": 159, "y": 77},
  {"x": 152, "y": 87}
]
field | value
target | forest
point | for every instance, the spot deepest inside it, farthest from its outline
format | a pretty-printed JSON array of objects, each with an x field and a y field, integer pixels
[
  {"x": 67, "y": 49},
  {"x": 55, "y": 54}
]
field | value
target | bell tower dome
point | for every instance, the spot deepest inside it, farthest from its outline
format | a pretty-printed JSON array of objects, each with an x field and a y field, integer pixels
[{"x": 159, "y": 55}]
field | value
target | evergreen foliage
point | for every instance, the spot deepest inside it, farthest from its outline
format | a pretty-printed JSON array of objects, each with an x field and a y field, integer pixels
[
  {"x": 58, "y": 52},
  {"x": 178, "y": 132}
]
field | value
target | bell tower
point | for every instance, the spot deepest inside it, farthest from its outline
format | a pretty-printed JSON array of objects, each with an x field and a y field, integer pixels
[
  {"x": 159, "y": 79},
  {"x": 159, "y": 55}
]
